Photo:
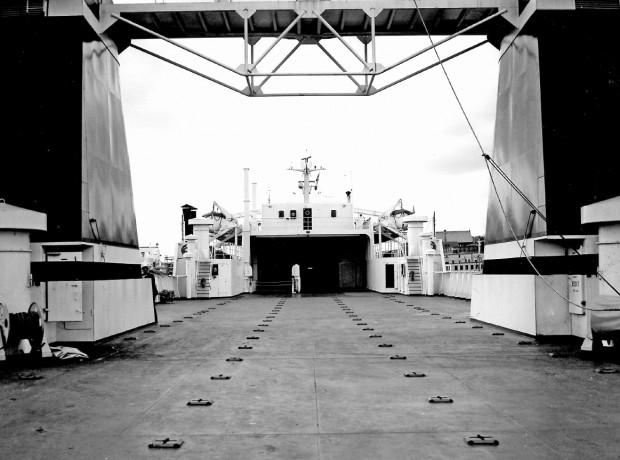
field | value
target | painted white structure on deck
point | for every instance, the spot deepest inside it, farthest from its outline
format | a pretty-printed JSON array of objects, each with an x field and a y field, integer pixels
[
  {"x": 524, "y": 303},
  {"x": 287, "y": 219},
  {"x": 76, "y": 311},
  {"x": 577, "y": 305},
  {"x": 92, "y": 310},
  {"x": 606, "y": 215},
  {"x": 377, "y": 276},
  {"x": 416, "y": 271},
  {"x": 456, "y": 284},
  {"x": 200, "y": 273}
]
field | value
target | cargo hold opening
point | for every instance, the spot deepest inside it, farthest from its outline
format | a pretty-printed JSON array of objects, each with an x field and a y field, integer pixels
[{"x": 327, "y": 263}]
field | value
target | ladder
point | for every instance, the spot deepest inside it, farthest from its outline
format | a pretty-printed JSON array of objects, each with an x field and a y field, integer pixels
[
  {"x": 414, "y": 282},
  {"x": 204, "y": 272}
]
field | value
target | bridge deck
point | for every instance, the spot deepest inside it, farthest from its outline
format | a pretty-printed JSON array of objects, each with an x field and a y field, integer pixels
[
  {"x": 348, "y": 18},
  {"x": 315, "y": 386}
]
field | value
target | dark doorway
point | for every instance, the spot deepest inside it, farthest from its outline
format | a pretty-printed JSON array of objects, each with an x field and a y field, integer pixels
[
  {"x": 389, "y": 275},
  {"x": 327, "y": 263}
]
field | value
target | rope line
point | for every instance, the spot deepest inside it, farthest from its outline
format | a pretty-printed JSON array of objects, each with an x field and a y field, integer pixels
[{"x": 490, "y": 161}]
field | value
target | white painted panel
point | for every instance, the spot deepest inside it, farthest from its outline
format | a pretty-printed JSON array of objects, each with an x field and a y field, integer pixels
[
  {"x": 121, "y": 305},
  {"x": 376, "y": 273},
  {"x": 576, "y": 293},
  {"x": 507, "y": 250},
  {"x": 552, "y": 316},
  {"x": 237, "y": 277},
  {"x": 456, "y": 284},
  {"x": 215, "y": 282},
  {"x": 64, "y": 301},
  {"x": 505, "y": 300}
]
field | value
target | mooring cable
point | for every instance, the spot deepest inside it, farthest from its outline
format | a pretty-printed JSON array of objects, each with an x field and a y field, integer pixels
[{"x": 489, "y": 160}]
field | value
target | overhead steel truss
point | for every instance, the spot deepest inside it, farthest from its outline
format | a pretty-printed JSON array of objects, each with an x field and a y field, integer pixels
[{"x": 250, "y": 72}]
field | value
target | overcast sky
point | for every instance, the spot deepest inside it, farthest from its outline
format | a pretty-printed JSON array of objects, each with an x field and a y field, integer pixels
[{"x": 189, "y": 139}]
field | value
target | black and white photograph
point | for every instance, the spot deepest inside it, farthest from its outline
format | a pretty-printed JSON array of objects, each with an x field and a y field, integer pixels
[{"x": 310, "y": 229}]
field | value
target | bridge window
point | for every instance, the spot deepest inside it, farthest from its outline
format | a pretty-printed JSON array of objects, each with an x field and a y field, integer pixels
[
  {"x": 334, "y": 214},
  {"x": 281, "y": 214},
  {"x": 293, "y": 214}
]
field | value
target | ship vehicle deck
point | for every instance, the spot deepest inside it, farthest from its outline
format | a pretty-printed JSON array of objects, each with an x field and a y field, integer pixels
[{"x": 315, "y": 385}]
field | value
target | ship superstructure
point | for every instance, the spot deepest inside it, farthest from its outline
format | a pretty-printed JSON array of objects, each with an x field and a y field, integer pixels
[{"x": 338, "y": 247}]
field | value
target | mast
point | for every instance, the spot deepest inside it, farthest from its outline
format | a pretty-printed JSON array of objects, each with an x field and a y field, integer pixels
[{"x": 307, "y": 183}]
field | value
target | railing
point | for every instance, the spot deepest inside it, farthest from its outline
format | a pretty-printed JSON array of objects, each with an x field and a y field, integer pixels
[
  {"x": 392, "y": 248},
  {"x": 274, "y": 286},
  {"x": 226, "y": 251}
]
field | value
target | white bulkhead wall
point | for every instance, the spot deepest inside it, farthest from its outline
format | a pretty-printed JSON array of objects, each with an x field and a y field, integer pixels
[{"x": 322, "y": 220}]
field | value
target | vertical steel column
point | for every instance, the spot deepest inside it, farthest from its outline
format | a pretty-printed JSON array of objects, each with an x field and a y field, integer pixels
[
  {"x": 374, "y": 50},
  {"x": 252, "y": 60},
  {"x": 372, "y": 36},
  {"x": 366, "y": 59},
  {"x": 246, "y": 224},
  {"x": 245, "y": 55},
  {"x": 245, "y": 43}
]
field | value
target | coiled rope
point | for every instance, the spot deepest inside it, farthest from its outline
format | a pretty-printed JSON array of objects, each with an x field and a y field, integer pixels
[{"x": 26, "y": 325}]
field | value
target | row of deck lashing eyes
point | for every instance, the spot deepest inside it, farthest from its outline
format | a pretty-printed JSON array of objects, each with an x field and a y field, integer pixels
[
  {"x": 478, "y": 439},
  {"x": 203, "y": 402},
  {"x": 194, "y": 315},
  {"x": 168, "y": 443}
]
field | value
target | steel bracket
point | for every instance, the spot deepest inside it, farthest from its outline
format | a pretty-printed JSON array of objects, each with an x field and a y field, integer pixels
[
  {"x": 440, "y": 399},
  {"x": 166, "y": 443},
  {"x": 607, "y": 370},
  {"x": 200, "y": 402},
  {"x": 220, "y": 377},
  {"x": 245, "y": 13},
  {"x": 415, "y": 374},
  {"x": 480, "y": 440}
]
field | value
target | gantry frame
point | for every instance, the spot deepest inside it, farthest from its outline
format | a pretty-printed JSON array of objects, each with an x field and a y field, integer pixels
[{"x": 315, "y": 28}]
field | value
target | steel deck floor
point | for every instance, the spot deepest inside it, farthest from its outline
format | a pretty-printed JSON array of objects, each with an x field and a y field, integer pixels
[{"x": 315, "y": 386}]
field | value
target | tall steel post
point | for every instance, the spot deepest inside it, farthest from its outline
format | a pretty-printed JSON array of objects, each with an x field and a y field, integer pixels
[{"x": 246, "y": 225}]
